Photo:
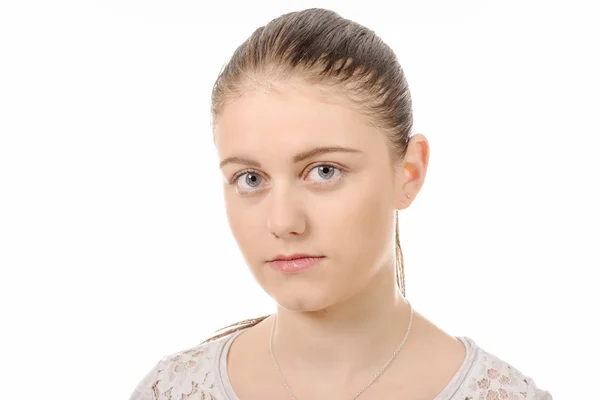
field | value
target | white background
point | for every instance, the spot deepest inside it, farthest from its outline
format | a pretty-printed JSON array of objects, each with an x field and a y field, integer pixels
[{"x": 114, "y": 246}]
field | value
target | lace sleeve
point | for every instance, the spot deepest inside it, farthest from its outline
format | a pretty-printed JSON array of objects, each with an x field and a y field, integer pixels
[{"x": 494, "y": 379}]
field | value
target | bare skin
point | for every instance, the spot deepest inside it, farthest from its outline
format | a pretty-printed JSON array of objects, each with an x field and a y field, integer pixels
[{"x": 338, "y": 322}]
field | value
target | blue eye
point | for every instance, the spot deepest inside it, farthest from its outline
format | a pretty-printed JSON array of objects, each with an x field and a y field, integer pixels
[
  {"x": 249, "y": 179},
  {"x": 328, "y": 174}
]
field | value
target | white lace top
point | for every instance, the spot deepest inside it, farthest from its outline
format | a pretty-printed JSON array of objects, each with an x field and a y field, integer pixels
[{"x": 200, "y": 373}]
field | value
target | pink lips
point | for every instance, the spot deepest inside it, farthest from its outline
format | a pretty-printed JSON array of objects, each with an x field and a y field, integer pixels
[{"x": 295, "y": 263}]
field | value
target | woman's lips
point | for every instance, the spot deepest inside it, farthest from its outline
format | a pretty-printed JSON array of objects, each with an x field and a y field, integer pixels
[{"x": 295, "y": 264}]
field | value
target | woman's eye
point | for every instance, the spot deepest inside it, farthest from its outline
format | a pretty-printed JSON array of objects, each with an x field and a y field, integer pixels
[
  {"x": 248, "y": 181},
  {"x": 324, "y": 174}
]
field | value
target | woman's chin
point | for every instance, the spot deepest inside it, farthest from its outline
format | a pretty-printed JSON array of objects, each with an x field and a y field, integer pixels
[{"x": 303, "y": 302}]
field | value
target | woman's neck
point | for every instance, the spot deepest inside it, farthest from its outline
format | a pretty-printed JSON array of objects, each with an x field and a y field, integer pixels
[{"x": 356, "y": 335}]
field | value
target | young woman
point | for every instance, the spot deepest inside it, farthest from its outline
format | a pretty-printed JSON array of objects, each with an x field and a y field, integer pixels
[{"x": 312, "y": 121}]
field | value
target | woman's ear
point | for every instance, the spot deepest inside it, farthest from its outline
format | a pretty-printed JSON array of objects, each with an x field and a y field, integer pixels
[{"x": 411, "y": 171}]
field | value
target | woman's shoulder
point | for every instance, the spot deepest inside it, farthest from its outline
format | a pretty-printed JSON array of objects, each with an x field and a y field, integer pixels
[
  {"x": 485, "y": 376},
  {"x": 190, "y": 373}
]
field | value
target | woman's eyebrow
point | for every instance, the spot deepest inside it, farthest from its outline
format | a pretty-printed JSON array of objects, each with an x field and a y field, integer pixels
[{"x": 297, "y": 158}]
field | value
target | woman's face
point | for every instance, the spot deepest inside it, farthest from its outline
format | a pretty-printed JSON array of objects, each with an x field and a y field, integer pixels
[{"x": 307, "y": 175}]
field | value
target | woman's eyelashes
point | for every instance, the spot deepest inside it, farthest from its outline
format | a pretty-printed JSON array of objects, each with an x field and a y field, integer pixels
[
  {"x": 329, "y": 173},
  {"x": 250, "y": 180},
  {"x": 247, "y": 181}
]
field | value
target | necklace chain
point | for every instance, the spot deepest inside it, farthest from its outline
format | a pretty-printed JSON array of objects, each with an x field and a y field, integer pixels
[{"x": 361, "y": 391}]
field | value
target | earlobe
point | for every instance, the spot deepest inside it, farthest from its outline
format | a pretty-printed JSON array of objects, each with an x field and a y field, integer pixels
[{"x": 406, "y": 191}]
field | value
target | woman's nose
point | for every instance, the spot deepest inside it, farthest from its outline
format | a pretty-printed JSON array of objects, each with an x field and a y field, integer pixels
[{"x": 285, "y": 216}]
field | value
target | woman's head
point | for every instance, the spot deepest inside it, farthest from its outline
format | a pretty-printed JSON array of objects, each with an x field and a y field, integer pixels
[{"x": 312, "y": 121}]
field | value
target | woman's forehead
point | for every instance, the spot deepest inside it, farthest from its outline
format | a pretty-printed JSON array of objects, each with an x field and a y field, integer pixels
[{"x": 293, "y": 116}]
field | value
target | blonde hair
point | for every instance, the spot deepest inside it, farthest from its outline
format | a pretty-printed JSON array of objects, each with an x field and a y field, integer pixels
[{"x": 320, "y": 47}]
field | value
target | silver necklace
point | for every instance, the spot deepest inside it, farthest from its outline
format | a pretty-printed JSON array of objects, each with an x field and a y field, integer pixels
[{"x": 387, "y": 363}]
